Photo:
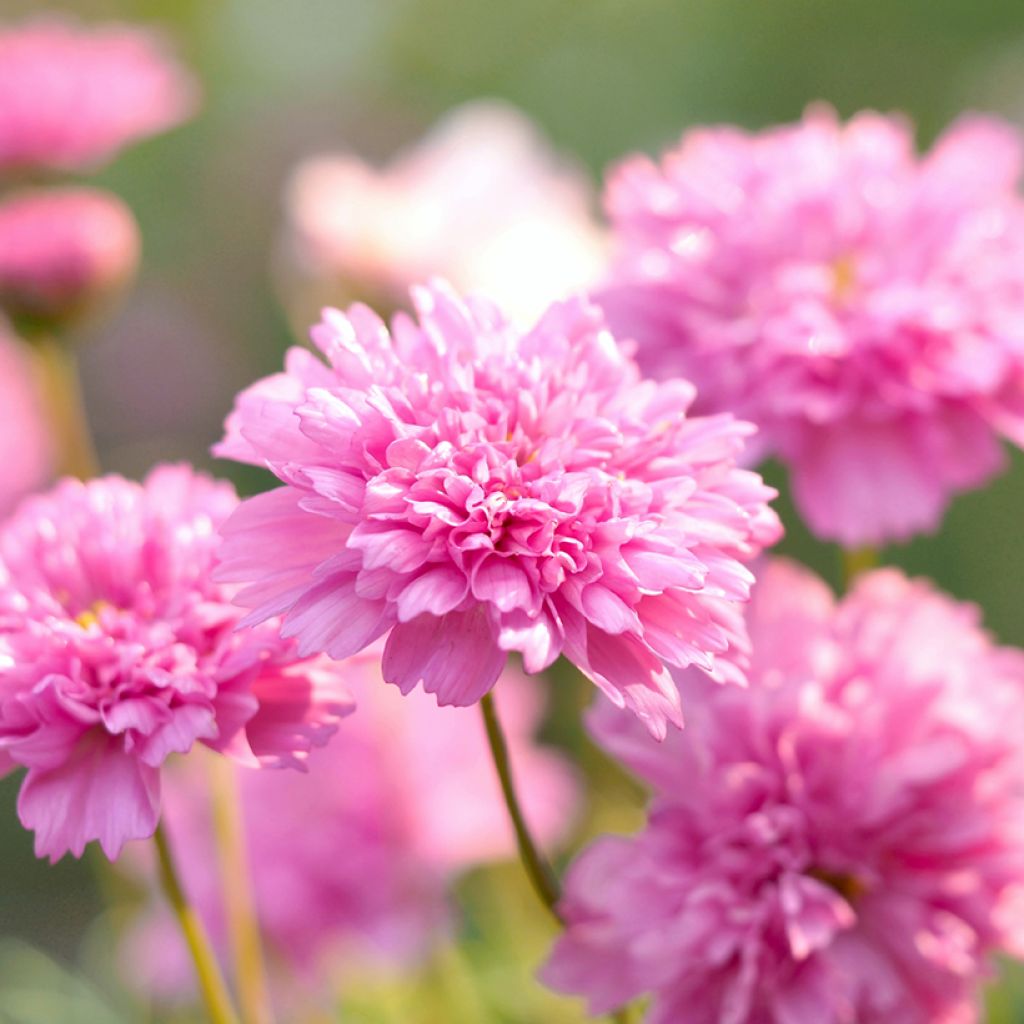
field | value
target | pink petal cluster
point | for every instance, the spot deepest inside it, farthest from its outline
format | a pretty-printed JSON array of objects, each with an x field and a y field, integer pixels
[
  {"x": 71, "y": 96},
  {"x": 62, "y": 250},
  {"x": 842, "y": 842},
  {"x": 481, "y": 201},
  {"x": 117, "y": 650},
  {"x": 470, "y": 488},
  {"x": 352, "y": 860},
  {"x": 26, "y": 446},
  {"x": 863, "y": 306}
]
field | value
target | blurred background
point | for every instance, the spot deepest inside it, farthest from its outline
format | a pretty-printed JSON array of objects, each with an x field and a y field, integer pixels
[{"x": 282, "y": 81}]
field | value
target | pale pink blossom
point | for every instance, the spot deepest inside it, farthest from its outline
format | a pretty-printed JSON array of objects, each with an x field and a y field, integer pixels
[
  {"x": 26, "y": 444},
  {"x": 117, "y": 650},
  {"x": 62, "y": 251},
  {"x": 839, "y": 843},
  {"x": 353, "y": 860},
  {"x": 862, "y": 305},
  {"x": 71, "y": 96},
  {"x": 470, "y": 488},
  {"x": 481, "y": 201}
]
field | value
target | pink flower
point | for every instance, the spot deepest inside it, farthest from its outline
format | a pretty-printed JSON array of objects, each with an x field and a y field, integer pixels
[
  {"x": 62, "y": 251},
  {"x": 864, "y": 307},
  {"x": 116, "y": 651},
  {"x": 838, "y": 843},
  {"x": 482, "y": 201},
  {"x": 26, "y": 447},
  {"x": 470, "y": 489},
  {"x": 405, "y": 795},
  {"x": 71, "y": 96}
]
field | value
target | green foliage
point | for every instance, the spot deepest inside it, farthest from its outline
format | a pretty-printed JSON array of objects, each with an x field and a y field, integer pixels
[{"x": 36, "y": 990}]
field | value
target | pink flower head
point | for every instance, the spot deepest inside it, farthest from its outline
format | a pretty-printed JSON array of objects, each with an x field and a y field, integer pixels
[
  {"x": 71, "y": 96},
  {"x": 482, "y": 201},
  {"x": 26, "y": 447},
  {"x": 62, "y": 251},
  {"x": 863, "y": 306},
  {"x": 405, "y": 795},
  {"x": 840, "y": 843},
  {"x": 117, "y": 650},
  {"x": 470, "y": 489}
]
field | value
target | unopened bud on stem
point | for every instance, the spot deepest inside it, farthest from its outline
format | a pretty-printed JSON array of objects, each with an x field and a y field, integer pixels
[{"x": 63, "y": 252}]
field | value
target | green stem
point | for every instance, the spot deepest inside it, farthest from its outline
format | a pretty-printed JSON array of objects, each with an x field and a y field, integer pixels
[
  {"x": 857, "y": 561},
  {"x": 538, "y": 870},
  {"x": 236, "y": 883},
  {"x": 57, "y": 372},
  {"x": 211, "y": 983}
]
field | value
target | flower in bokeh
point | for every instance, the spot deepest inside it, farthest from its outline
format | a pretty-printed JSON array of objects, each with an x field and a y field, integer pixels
[
  {"x": 26, "y": 446},
  {"x": 469, "y": 489},
  {"x": 352, "y": 860},
  {"x": 72, "y": 96},
  {"x": 841, "y": 842},
  {"x": 117, "y": 650},
  {"x": 481, "y": 201},
  {"x": 63, "y": 251},
  {"x": 864, "y": 307}
]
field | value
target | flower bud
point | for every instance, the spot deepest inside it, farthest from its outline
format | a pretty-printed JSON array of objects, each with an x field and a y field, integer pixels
[{"x": 63, "y": 252}]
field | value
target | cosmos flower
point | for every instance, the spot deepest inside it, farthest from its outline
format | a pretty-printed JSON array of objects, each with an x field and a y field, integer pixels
[
  {"x": 26, "y": 446},
  {"x": 404, "y": 794},
  {"x": 843, "y": 841},
  {"x": 62, "y": 251},
  {"x": 863, "y": 306},
  {"x": 117, "y": 650},
  {"x": 72, "y": 96},
  {"x": 481, "y": 201},
  {"x": 469, "y": 489}
]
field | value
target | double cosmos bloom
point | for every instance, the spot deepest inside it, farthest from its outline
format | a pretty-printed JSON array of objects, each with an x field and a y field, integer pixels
[
  {"x": 117, "y": 650},
  {"x": 468, "y": 488},
  {"x": 863, "y": 306},
  {"x": 840, "y": 842},
  {"x": 71, "y": 96}
]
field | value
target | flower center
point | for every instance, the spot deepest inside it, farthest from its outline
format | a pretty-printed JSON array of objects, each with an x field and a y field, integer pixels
[
  {"x": 848, "y": 886},
  {"x": 91, "y": 615},
  {"x": 844, "y": 277}
]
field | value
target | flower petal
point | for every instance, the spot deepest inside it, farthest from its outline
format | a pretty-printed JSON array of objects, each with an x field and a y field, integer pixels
[{"x": 455, "y": 657}]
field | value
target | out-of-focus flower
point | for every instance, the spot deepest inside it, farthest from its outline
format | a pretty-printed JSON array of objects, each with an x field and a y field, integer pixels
[
  {"x": 864, "y": 307},
  {"x": 841, "y": 842},
  {"x": 72, "y": 96},
  {"x": 26, "y": 445},
  {"x": 353, "y": 859},
  {"x": 481, "y": 201},
  {"x": 470, "y": 489},
  {"x": 117, "y": 650},
  {"x": 63, "y": 251}
]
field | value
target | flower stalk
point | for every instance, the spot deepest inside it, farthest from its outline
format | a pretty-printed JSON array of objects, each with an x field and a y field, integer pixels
[
  {"x": 212, "y": 987},
  {"x": 538, "y": 870},
  {"x": 57, "y": 371},
  {"x": 857, "y": 561},
  {"x": 236, "y": 883}
]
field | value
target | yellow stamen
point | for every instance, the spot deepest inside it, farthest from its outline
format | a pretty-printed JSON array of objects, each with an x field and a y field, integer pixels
[
  {"x": 91, "y": 616},
  {"x": 844, "y": 277}
]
